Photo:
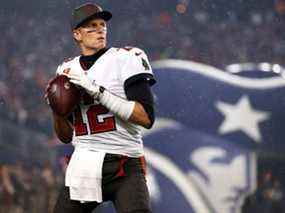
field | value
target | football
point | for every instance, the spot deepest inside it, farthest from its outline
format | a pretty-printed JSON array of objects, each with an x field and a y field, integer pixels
[{"x": 63, "y": 96}]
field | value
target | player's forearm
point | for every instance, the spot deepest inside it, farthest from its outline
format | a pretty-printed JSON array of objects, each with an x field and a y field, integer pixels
[
  {"x": 139, "y": 116},
  {"x": 63, "y": 128},
  {"x": 127, "y": 110}
]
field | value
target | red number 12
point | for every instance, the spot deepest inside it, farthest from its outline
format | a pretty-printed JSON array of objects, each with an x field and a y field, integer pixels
[{"x": 95, "y": 126}]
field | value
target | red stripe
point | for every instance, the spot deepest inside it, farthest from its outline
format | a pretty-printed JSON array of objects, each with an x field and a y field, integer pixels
[
  {"x": 121, "y": 172},
  {"x": 143, "y": 163}
]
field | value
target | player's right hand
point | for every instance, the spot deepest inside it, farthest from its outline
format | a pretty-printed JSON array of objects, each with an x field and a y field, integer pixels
[{"x": 83, "y": 81}]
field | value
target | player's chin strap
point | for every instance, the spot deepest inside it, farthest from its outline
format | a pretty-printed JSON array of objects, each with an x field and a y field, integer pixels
[{"x": 115, "y": 104}]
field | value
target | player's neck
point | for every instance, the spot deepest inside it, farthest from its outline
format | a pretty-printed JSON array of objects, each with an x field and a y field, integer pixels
[
  {"x": 87, "y": 61},
  {"x": 94, "y": 57},
  {"x": 90, "y": 51}
]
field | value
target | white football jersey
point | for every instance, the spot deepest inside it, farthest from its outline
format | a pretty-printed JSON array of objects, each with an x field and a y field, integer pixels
[{"x": 95, "y": 127}]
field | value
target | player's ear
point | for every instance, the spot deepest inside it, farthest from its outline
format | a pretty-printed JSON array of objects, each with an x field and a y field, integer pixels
[{"x": 76, "y": 35}]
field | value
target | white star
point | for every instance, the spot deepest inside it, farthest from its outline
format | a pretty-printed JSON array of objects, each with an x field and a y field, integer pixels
[{"x": 241, "y": 116}]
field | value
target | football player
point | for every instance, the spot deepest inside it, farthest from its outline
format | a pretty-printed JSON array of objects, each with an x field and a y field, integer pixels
[{"x": 108, "y": 160}]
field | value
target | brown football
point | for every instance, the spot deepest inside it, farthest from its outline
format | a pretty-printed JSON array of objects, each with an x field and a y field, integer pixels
[{"x": 63, "y": 96}]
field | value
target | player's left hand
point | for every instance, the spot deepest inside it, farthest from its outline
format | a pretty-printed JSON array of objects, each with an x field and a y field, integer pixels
[{"x": 83, "y": 81}]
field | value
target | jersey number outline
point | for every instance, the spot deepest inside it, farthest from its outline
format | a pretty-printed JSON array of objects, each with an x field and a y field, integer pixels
[{"x": 95, "y": 126}]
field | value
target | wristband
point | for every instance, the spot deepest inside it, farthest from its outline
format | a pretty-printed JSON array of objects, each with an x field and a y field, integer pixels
[{"x": 119, "y": 106}]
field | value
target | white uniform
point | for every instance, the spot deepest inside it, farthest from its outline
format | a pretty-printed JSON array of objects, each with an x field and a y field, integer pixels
[{"x": 95, "y": 127}]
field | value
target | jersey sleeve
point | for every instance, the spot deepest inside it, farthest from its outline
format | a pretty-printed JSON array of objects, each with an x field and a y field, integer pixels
[
  {"x": 136, "y": 66},
  {"x": 65, "y": 66}
]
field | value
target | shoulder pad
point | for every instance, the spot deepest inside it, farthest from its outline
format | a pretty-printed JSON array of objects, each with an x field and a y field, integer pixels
[{"x": 66, "y": 65}]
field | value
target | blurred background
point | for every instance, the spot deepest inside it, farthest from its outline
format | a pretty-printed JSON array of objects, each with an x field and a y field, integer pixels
[{"x": 244, "y": 38}]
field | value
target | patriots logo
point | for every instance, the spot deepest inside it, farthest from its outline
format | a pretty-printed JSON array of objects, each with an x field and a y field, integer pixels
[{"x": 201, "y": 150}]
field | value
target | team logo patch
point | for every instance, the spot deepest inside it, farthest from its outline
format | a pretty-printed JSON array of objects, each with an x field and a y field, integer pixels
[{"x": 145, "y": 64}]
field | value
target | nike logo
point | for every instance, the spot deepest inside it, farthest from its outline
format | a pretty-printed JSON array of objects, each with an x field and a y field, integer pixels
[{"x": 137, "y": 54}]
